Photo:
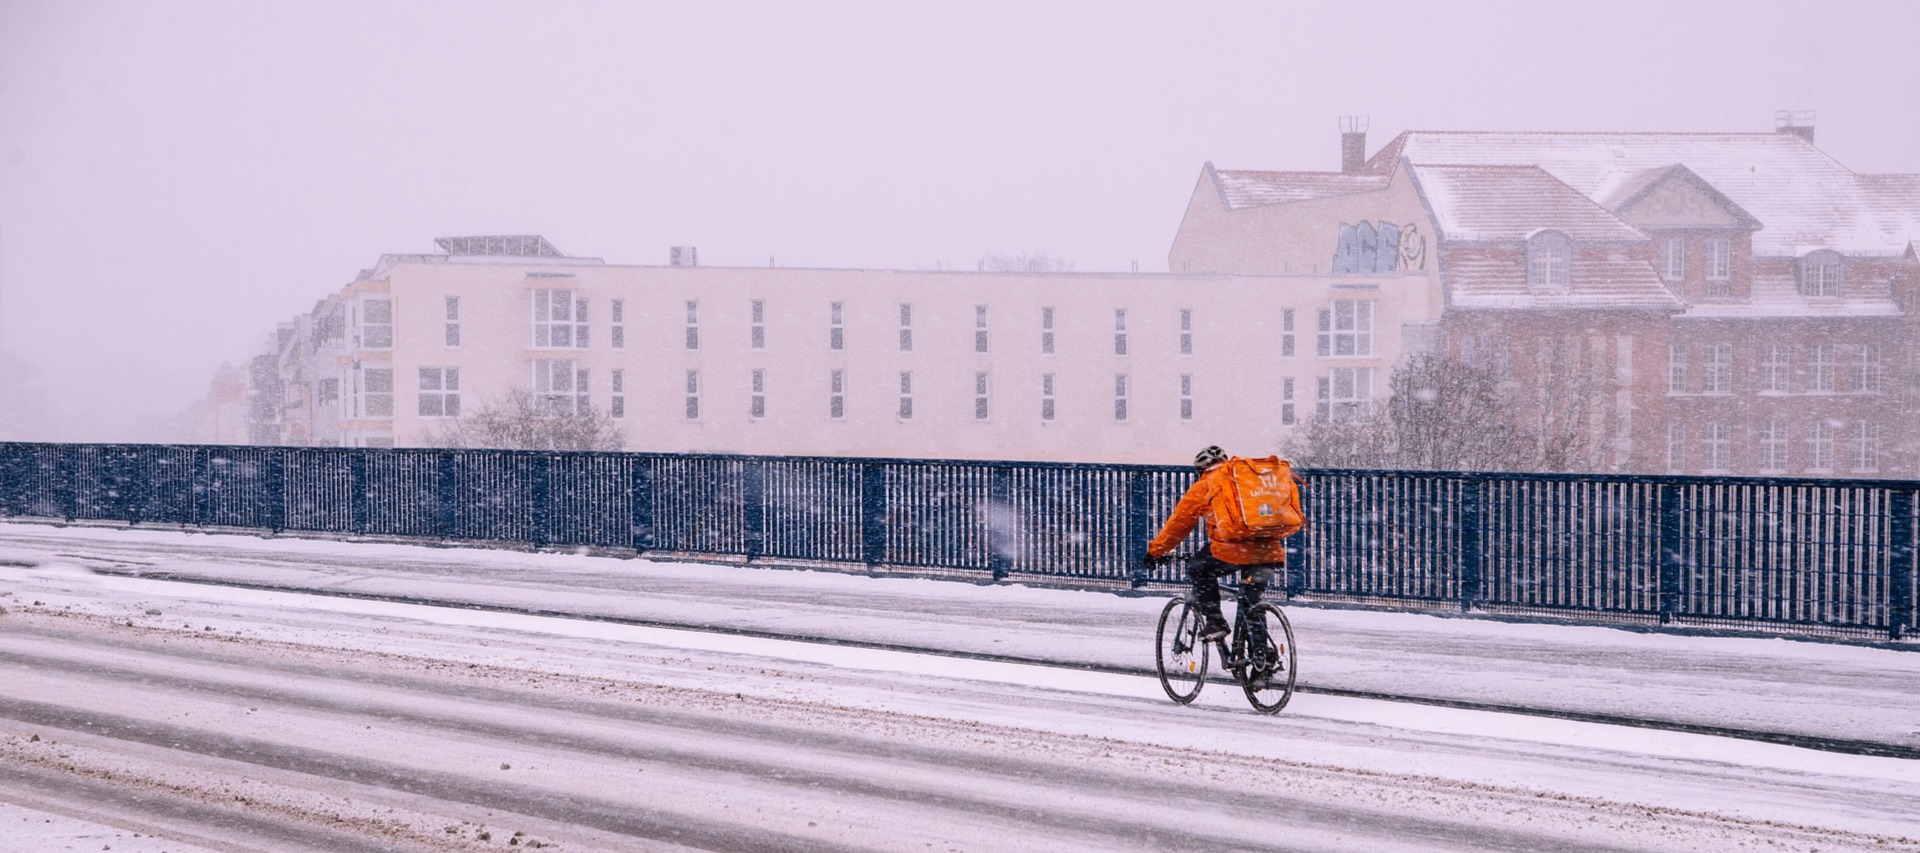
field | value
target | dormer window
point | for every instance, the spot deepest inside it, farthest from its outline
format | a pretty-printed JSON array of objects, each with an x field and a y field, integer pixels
[
  {"x": 1549, "y": 261},
  {"x": 1821, "y": 274}
]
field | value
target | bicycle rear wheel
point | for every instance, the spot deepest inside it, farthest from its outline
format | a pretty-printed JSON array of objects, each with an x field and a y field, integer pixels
[
  {"x": 1270, "y": 672},
  {"x": 1178, "y": 652}
]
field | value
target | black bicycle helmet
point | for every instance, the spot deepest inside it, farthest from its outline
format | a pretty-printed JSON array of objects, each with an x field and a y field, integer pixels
[{"x": 1208, "y": 458}]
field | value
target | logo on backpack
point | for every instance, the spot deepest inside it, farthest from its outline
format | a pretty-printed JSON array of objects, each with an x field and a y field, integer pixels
[{"x": 1261, "y": 501}]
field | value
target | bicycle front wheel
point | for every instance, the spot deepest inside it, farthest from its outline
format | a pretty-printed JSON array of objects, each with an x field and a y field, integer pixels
[
  {"x": 1178, "y": 652},
  {"x": 1271, "y": 659}
]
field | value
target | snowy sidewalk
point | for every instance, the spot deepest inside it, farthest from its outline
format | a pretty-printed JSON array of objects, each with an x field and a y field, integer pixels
[{"x": 1772, "y": 685}]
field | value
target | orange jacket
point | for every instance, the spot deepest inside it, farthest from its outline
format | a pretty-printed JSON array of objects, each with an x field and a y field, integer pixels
[{"x": 1194, "y": 506}]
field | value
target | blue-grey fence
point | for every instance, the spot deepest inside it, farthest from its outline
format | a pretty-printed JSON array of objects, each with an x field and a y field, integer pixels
[{"x": 1815, "y": 556}]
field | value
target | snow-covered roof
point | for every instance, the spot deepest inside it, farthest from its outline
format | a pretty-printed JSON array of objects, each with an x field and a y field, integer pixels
[
  {"x": 1805, "y": 198},
  {"x": 1509, "y": 203},
  {"x": 1243, "y": 189},
  {"x": 505, "y": 245},
  {"x": 1611, "y": 281}
]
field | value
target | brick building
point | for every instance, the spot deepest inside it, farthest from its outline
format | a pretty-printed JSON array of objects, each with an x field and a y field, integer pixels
[{"x": 1697, "y": 303}]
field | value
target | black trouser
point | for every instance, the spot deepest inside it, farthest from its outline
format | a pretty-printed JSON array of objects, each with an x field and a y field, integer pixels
[{"x": 1204, "y": 571}]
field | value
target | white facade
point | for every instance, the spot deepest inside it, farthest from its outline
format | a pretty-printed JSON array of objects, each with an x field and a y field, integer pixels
[{"x": 1067, "y": 367}]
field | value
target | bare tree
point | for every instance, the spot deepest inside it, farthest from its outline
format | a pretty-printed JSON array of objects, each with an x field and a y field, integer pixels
[
  {"x": 522, "y": 420},
  {"x": 1446, "y": 415},
  {"x": 1025, "y": 260}
]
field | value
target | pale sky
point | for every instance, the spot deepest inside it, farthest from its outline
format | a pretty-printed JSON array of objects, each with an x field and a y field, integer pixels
[{"x": 177, "y": 177}]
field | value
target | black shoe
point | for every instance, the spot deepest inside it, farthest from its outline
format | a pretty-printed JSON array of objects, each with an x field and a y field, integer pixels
[{"x": 1215, "y": 629}]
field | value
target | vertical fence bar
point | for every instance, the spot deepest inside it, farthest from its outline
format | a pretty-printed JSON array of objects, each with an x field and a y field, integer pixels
[
  {"x": 1139, "y": 525},
  {"x": 1469, "y": 523},
  {"x": 873, "y": 513},
  {"x": 1901, "y": 564},
  {"x": 540, "y": 494},
  {"x": 1000, "y": 521},
  {"x": 357, "y": 491},
  {"x": 446, "y": 518},
  {"x": 753, "y": 505},
  {"x": 640, "y": 503},
  {"x": 1671, "y": 554},
  {"x": 276, "y": 497}
]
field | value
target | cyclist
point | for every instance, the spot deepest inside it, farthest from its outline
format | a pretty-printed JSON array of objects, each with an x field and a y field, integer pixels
[{"x": 1254, "y": 559}]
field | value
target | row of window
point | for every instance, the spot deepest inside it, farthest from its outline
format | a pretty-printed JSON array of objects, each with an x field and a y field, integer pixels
[
  {"x": 1819, "y": 273},
  {"x": 561, "y": 387},
  {"x": 1775, "y": 369},
  {"x": 1772, "y": 446},
  {"x": 560, "y": 321}
]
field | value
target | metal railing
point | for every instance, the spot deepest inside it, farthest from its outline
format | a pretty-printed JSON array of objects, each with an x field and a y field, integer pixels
[{"x": 1833, "y": 557}]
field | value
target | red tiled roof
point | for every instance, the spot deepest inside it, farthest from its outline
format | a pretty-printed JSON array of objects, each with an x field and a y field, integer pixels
[
  {"x": 1609, "y": 283},
  {"x": 1804, "y": 198},
  {"x": 1509, "y": 203}
]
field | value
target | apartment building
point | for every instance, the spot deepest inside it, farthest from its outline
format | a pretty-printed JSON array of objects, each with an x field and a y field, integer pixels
[
  {"x": 1720, "y": 303},
  {"x": 1063, "y": 366}
]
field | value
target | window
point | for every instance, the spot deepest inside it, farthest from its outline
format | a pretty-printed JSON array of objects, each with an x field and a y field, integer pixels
[
  {"x": 1120, "y": 397},
  {"x": 1719, "y": 266},
  {"x": 1719, "y": 369},
  {"x": 439, "y": 392},
  {"x": 1286, "y": 401},
  {"x": 1773, "y": 447},
  {"x": 1774, "y": 365},
  {"x": 1866, "y": 369},
  {"x": 1676, "y": 368},
  {"x": 560, "y": 387},
  {"x": 1866, "y": 447},
  {"x": 1821, "y": 274},
  {"x": 559, "y": 319},
  {"x": 617, "y": 335},
  {"x": 376, "y": 387},
  {"x": 757, "y": 400},
  {"x": 1676, "y": 446},
  {"x": 1825, "y": 365},
  {"x": 618, "y": 406},
  {"x": 1346, "y": 329},
  {"x": 906, "y": 327},
  {"x": 1186, "y": 331},
  {"x": 1549, "y": 261},
  {"x": 1186, "y": 396},
  {"x": 836, "y": 394},
  {"x": 836, "y": 327},
  {"x": 376, "y": 324},
  {"x": 1820, "y": 445},
  {"x": 1046, "y": 396},
  {"x": 906, "y": 395},
  {"x": 979, "y": 328},
  {"x": 980, "y": 396},
  {"x": 327, "y": 393},
  {"x": 1046, "y": 331},
  {"x": 453, "y": 321},
  {"x": 1286, "y": 333},
  {"x": 1716, "y": 446},
  {"x": 1346, "y": 395},
  {"x": 1119, "y": 331},
  {"x": 693, "y": 324},
  {"x": 757, "y": 328},
  {"x": 693, "y": 395},
  {"x": 1674, "y": 252}
]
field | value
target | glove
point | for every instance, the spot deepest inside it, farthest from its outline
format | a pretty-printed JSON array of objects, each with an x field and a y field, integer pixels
[{"x": 1153, "y": 562}]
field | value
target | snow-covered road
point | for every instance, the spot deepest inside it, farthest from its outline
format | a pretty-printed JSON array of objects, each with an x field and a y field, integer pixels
[{"x": 224, "y": 718}]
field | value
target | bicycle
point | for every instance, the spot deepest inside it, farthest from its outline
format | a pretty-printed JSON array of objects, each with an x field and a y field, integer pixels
[{"x": 1264, "y": 672}]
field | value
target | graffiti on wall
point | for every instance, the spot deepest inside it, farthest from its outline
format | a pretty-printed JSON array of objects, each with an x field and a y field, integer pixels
[{"x": 1386, "y": 247}]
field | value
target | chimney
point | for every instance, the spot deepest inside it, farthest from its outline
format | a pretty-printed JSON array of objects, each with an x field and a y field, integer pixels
[
  {"x": 1797, "y": 122},
  {"x": 683, "y": 256},
  {"x": 1353, "y": 143}
]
